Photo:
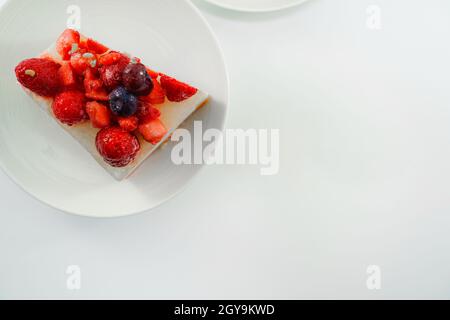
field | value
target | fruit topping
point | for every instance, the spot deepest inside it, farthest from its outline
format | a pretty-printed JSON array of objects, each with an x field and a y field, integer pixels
[
  {"x": 157, "y": 96},
  {"x": 69, "y": 107},
  {"x": 136, "y": 79},
  {"x": 40, "y": 76},
  {"x": 81, "y": 61},
  {"x": 176, "y": 91},
  {"x": 112, "y": 57},
  {"x": 122, "y": 103},
  {"x": 66, "y": 43},
  {"x": 94, "y": 87},
  {"x": 95, "y": 46},
  {"x": 67, "y": 75},
  {"x": 146, "y": 112},
  {"x": 153, "y": 131},
  {"x": 117, "y": 146},
  {"x": 99, "y": 114},
  {"x": 152, "y": 74},
  {"x": 111, "y": 74},
  {"x": 128, "y": 124}
]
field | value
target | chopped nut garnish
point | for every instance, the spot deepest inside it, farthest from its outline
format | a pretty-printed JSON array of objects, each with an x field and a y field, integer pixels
[
  {"x": 30, "y": 73},
  {"x": 74, "y": 48}
]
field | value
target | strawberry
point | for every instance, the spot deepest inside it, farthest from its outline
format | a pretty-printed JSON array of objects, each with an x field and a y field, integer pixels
[
  {"x": 99, "y": 114},
  {"x": 68, "y": 107},
  {"x": 175, "y": 90},
  {"x": 67, "y": 75},
  {"x": 153, "y": 131},
  {"x": 81, "y": 61},
  {"x": 94, "y": 46},
  {"x": 93, "y": 87},
  {"x": 146, "y": 112},
  {"x": 65, "y": 42},
  {"x": 157, "y": 96},
  {"x": 117, "y": 146},
  {"x": 40, "y": 76},
  {"x": 129, "y": 124},
  {"x": 83, "y": 44},
  {"x": 110, "y": 58},
  {"x": 152, "y": 74},
  {"x": 111, "y": 74}
]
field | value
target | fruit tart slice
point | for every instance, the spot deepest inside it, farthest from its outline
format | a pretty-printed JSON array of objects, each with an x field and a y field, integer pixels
[{"x": 118, "y": 109}]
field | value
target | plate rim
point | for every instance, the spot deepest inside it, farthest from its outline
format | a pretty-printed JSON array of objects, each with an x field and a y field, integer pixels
[
  {"x": 250, "y": 10},
  {"x": 170, "y": 196}
]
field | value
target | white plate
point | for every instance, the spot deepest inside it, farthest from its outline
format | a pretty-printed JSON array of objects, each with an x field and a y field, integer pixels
[
  {"x": 256, "y": 5},
  {"x": 170, "y": 36}
]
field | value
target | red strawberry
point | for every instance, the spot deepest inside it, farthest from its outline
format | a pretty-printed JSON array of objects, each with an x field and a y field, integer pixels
[
  {"x": 129, "y": 124},
  {"x": 40, "y": 76},
  {"x": 153, "y": 74},
  {"x": 176, "y": 91},
  {"x": 68, "y": 107},
  {"x": 83, "y": 44},
  {"x": 67, "y": 75},
  {"x": 81, "y": 61},
  {"x": 153, "y": 131},
  {"x": 157, "y": 96},
  {"x": 94, "y": 46},
  {"x": 94, "y": 87},
  {"x": 65, "y": 41},
  {"x": 110, "y": 58},
  {"x": 111, "y": 74},
  {"x": 117, "y": 146},
  {"x": 147, "y": 112},
  {"x": 99, "y": 114}
]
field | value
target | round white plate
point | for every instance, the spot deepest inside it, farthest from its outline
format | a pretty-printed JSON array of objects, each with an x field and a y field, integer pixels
[
  {"x": 256, "y": 5},
  {"x": 170, "y": 35}
]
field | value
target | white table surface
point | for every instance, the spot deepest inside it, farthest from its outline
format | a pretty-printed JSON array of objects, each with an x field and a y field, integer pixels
[{"x": 364, "y": 179}]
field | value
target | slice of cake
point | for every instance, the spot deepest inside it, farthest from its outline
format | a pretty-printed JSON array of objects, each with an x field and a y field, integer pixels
[{"x": 118, "y": 109}]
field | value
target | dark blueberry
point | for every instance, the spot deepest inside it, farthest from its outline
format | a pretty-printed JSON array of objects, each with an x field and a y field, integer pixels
[
  {"x": 136, "y": 80},
  {"x": 122, "y": 103}
]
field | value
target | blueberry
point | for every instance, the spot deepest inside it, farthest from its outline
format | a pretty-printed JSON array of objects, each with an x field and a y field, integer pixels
[
  {"x": 136, "y": 79},
  {"x": 122, "y": 103}
]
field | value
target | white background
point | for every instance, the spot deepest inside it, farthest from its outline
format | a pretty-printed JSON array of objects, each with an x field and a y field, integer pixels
[{"x": 364, "y": 177}]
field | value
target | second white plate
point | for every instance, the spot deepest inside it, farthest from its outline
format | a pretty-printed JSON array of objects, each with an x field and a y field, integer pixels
[{"x": 256, "y": 5}]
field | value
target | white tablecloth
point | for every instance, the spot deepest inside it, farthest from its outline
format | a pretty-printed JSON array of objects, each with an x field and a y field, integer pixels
[{"x": 363, "y": 109}]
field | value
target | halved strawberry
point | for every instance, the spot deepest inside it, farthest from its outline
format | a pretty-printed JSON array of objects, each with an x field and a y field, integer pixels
[
  {"x": 176, "y": 91},
  {"x": 99, "y": 114},
  {"x": 157, "y": 96},
  {"x": 65, "y": 43},
  {"x": 67, "y": 75},
  {"x": 93, "y": 87},
  {"x": 95, "y": 46},
  {"x": 128, "y": 124},
  {"x": 153, "y": 131}
]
